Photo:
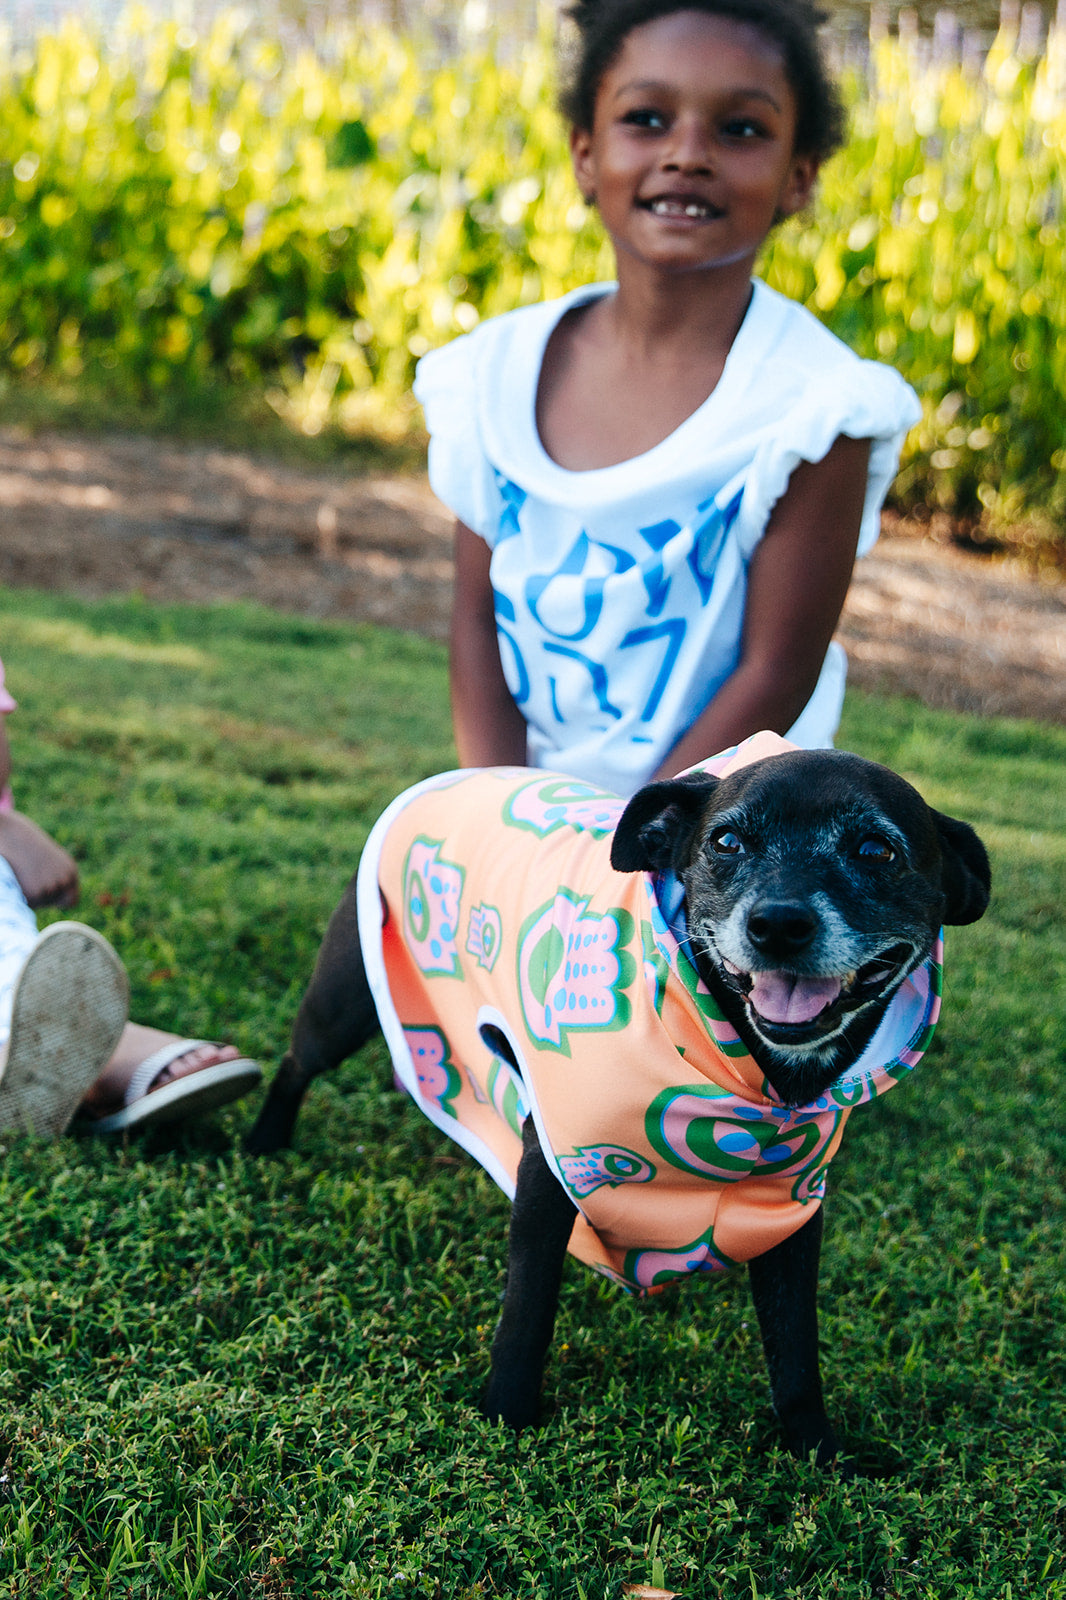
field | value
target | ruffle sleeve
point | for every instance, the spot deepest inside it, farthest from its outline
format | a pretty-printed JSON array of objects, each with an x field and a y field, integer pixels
[
  {"x": 862, "y": 399},
  {"x": 446, "y": 387}
]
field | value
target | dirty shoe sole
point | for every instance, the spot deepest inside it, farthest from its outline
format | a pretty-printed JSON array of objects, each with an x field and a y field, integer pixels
[{"x": 70, "y": 1007}]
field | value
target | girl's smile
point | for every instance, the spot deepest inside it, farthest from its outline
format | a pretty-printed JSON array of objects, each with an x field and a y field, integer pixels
[{"x": 691, "y": 156}]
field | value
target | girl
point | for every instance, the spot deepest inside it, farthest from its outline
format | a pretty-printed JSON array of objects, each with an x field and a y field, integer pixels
[{"x": 661, "y": 483}]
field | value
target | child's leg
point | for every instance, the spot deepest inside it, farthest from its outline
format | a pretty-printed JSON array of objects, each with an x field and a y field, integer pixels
[
  {"x": 149, "y": 1076},
  {"x": 63, "y": 1003},
  {"x": 18, "y": 935}
]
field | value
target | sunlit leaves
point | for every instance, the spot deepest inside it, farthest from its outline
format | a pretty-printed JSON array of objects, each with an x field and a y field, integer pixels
[
  {"x": 178, "y": 209},
  {"x": 937, "y": 243}
]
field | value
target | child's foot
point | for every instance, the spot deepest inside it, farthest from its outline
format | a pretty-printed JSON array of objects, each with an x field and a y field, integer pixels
[
  {"x": 155, "y": 1077},
  {"x": 67, "y": 1015}
]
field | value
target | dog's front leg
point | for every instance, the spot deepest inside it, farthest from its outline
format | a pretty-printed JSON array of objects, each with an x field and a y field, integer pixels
[
  {"x": 784, "y": 1287},
  {"x": 542, "y": 1220},
  {"x": 336, "y": 1018}
]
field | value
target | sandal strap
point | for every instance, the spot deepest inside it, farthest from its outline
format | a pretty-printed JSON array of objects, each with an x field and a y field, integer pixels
[{"x": 152, "y": 1066}]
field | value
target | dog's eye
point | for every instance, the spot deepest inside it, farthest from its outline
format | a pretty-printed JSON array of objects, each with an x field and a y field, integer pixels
[
  {"x": 876, "y": 849},
  {"x": 727, "y": 843}
]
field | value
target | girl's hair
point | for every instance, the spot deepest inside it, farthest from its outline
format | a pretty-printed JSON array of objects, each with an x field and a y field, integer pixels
[{"x": 603, "y": 26}]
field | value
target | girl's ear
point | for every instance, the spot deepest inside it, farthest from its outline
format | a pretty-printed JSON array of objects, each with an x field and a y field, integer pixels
[
  {"x": 799, "y": 185},
  {"x": 581, "y": 156}
]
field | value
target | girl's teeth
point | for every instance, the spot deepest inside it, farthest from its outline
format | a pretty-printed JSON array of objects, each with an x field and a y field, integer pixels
[{"x": 674, "y": 208}]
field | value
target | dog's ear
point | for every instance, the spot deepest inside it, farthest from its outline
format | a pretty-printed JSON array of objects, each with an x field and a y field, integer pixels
[
  {"x": 966, "y": 876},
  {"x": 655, "y": 829}
]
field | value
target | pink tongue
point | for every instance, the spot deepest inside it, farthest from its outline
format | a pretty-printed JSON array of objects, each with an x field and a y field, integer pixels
[{"x": 782, "y": 997}]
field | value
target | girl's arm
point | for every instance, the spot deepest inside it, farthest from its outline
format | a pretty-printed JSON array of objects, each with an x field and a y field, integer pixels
[
  {"x": 797, "y": 582},
  {"x": 490, "y": 731}
]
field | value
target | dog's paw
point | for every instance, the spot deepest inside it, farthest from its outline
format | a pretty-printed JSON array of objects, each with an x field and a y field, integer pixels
[
  {"x": 813, "y": 1439},
  {"x": 511, "y": 1404},
  {"x": 266, "y": 1139},
  {"x": 830, "y": 1458}
]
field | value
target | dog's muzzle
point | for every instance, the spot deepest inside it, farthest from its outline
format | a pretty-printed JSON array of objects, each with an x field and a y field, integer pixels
[{"x": 789, "y": 1005}]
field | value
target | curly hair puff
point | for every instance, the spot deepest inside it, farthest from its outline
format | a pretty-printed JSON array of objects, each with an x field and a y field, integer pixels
[{"x": 603, "y": 25}]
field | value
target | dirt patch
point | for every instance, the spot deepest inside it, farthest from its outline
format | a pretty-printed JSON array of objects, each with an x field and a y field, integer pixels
[
  {"x": 958, "y": 630},
  {"x": 961, "y": 631}
]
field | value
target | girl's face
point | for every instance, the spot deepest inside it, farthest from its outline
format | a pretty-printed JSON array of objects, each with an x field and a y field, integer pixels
[{"x": 690, "y": 157}]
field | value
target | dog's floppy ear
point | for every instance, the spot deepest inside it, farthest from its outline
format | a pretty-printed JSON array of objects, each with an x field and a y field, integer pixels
[
  {"x": 966, "y": 876},
  {"x": 656, "y": 827}
]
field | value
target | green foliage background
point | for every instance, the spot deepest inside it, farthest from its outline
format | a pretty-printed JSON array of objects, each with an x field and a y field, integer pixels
[{"x": 180, "y": 210}]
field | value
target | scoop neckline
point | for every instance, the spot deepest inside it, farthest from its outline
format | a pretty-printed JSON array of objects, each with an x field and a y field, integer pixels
[{"x": 675, "y": 442}]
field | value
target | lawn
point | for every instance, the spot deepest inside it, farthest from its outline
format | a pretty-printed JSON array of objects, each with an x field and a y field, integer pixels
[{"x": 227, "y": 1377}]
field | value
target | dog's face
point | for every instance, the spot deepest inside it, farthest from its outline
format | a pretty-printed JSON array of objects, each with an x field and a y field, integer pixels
[{"x": 815, "y": 882}]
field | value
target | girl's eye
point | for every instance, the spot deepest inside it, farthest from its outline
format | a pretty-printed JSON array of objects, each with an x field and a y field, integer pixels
[
  {"x": 727, "y": 843},
  {"x": 645, "y": 117},
  {"x": 742, "y": 128},
  {"x": 876, "y": 849}
]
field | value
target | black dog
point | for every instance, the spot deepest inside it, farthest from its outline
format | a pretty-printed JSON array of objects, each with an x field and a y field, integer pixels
[{"x": 815, "y": 883}]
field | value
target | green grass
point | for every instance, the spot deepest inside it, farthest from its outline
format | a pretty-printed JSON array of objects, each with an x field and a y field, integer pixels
[{"x": 223, "y": 1377}]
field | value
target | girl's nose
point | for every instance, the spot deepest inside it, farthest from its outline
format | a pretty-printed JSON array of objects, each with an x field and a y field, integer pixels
[{"x": 690, "y": 148}]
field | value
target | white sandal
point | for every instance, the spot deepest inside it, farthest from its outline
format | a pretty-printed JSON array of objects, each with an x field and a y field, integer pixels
[
  {"x": 68, "y": 1011},
  {"x": 203, "y": 1090}
]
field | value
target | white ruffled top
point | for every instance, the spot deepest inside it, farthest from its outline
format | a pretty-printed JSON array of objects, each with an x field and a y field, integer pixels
[{"x": 620, "y": 591}]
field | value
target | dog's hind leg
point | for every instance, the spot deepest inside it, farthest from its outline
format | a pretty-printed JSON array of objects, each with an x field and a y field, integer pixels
[
  {"x": 784, "y": 1287},
  {"x": 542, "y": 1220},
  {"x": 336, "y": 1018}
]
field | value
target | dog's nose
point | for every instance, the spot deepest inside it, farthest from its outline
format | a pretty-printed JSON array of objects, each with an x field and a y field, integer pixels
[{"x": 781, "y": 927}]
